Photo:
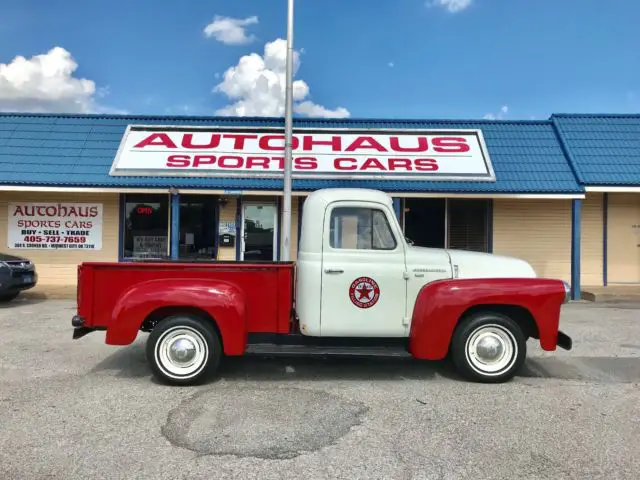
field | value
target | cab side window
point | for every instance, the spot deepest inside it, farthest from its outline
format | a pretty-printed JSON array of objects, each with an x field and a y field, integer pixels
[{"x": 360, "y": 228}]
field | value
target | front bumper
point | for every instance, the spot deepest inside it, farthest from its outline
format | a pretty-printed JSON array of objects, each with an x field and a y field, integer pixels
[{"x": 17, "y": 280}]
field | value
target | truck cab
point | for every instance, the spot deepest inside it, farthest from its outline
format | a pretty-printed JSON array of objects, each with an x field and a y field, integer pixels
[
  {"x": 353, "y": 257},
  {"x": 358, "y": 287}
]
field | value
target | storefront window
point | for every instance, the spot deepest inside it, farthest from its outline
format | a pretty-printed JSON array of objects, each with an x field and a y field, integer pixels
[
  {"x": 259, "y": 232},
  {"x": 460, "y": 224},
  {"x": 146, "y": 227},
  {"x": 198, "y": 226},
  {"x": 468, "y": 225},
  {"x": 425, "y": 221}
]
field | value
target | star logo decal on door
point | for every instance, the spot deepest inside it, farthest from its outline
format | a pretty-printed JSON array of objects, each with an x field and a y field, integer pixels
[{"x": 364, "y": 292}]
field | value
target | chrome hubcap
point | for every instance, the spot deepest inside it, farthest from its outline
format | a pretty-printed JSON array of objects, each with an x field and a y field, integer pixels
[
  {"x": 181, "y": 352},
  {"x": 491, "y": 349}
]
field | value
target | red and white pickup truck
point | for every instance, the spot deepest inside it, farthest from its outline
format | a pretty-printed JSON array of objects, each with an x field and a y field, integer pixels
[{"x": 357, "y": 288}]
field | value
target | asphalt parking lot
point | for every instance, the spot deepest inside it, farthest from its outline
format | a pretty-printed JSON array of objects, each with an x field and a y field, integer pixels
[{"x": 81, "y": 409}]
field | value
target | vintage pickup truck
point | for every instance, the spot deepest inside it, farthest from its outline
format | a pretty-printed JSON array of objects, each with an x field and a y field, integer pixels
[{"x": 358, "y": 287}]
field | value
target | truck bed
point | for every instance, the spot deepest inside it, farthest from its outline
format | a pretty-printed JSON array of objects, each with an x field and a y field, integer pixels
[{"x": 267, "y": 286}]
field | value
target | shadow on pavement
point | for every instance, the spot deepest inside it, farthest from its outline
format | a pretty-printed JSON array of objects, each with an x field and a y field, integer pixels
[
  {"x": 126, "y": 362},
  {"x": 23, "y": 300},
  {"x": 589, "y": 369},
  {"x": 340, "y": 369},
  {"x": 130, "y": 362}
]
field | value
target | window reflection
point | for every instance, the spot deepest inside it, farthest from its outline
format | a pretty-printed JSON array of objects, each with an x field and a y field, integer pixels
[
  {"x": 198, "y": 226},
  {"x": 146, "y": 228}
]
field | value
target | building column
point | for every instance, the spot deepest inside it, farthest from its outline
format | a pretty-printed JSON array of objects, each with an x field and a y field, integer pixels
[
  {"x": 576, "y": 213},
  {"x": 397, "y": 207},
  {"x": 490, "y": 225},
  {"x": 300, "y": 204},
  {"x": 175, "y": 225},
  {"x": 605, "y": 237},
  {"x": 239, "y": 229}
]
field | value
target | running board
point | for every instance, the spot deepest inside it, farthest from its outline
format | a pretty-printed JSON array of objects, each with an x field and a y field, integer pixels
[{"x": 325, "y": 350}]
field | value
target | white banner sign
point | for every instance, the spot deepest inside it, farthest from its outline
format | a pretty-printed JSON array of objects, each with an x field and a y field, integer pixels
[
  {"x": 317, "y": 153},
  {"x": 55, "y": 226}
]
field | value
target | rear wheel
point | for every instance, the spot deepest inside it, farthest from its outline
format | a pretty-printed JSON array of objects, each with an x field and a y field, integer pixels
[
  {"x": 488, "y": 347},
  {"x": 183, "y": 350}
]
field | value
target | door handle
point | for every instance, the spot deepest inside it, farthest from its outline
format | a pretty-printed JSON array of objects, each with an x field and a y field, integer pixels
[{"x": 333, "y": 270}]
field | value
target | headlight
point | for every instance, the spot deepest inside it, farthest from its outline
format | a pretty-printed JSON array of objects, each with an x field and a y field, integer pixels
[{"x": 567, "y": 292}]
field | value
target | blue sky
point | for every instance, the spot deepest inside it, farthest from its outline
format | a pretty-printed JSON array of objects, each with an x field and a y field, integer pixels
[{"x": 376, "y": 58}]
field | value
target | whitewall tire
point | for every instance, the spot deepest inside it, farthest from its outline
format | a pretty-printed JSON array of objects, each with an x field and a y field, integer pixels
[
  {"x": 183, "y": 350},
  {"x": 488, "y": 347}
]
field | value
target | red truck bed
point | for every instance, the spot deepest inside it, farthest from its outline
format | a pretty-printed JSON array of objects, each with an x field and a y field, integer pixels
[{"x": 106, "y": 290}]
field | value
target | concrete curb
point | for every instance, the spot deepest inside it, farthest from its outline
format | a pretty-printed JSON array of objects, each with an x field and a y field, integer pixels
[{"x": 612, "y": 294}]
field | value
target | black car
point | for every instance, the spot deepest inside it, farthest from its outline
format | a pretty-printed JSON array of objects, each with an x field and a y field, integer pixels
[{"x": 16, "y": 274}]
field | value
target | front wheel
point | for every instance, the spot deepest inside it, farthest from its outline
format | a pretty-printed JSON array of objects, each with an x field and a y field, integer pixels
[
  {"x": 183, "y": 350},
  {"x": 488, "y": 348}
]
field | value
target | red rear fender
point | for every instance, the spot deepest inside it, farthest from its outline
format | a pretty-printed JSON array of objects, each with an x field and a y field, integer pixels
[
  {"x": 222, "y": 301},
  {"x": 441, "y": 304}
]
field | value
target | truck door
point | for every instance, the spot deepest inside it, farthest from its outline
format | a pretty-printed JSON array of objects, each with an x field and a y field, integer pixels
[{"x": 363, "y": 268}]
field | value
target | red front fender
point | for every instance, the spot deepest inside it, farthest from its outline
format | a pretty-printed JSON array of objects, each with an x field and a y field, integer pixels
[
  {"x": 441, "y": 304},
  {"x": 223, "y": 301}
]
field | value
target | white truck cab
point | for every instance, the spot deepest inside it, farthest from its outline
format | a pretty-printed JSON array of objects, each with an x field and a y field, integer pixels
[{"x": 353, "y": 253}]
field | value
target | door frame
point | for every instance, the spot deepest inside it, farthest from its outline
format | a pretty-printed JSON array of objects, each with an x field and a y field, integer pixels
[
  {"x": 345, "y": 258},
  {"x": 276, "y": 225}
]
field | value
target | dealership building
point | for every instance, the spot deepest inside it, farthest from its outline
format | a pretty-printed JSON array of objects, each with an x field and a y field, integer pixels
[{"x": 561, "y": 193}]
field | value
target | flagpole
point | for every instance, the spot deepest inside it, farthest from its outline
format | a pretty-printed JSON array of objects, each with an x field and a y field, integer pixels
[{"x": 288, "y": 133}]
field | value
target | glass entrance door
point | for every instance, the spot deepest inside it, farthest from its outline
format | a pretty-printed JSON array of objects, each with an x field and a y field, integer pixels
[
  {"x": 259, "y": 231},
  {"x": 198, "y": 227}
]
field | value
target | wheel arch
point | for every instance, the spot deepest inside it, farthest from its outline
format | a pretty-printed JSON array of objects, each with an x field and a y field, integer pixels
[
  {"x": 519, "y": 314},
  {"x": 220, "y": 302},
  {"x": 534, "y": 303},
  {"x": 159, "y": 314}
]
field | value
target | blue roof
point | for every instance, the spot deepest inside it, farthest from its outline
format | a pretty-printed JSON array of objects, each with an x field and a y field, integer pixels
[
  {"x": 603, "y": 149},
  {"x": 78, "y": 150}
]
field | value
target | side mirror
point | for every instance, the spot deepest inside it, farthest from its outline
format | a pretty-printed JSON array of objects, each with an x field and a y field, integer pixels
[{"x": 409, "y": 241}]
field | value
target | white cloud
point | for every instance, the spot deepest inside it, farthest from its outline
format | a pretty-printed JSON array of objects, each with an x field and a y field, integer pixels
[
  {"x": 312, "y": 110},
  {"x": 257, "y": 86},
  {"x": 453, "y": 6},
  {"x": 45, "y": 83},
  {"x": 497, "y": 116},
  {"x": 230, "y": 31}
]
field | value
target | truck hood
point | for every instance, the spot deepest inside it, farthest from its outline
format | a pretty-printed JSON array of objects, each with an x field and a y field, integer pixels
[{"x": 483, "y": 265}]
